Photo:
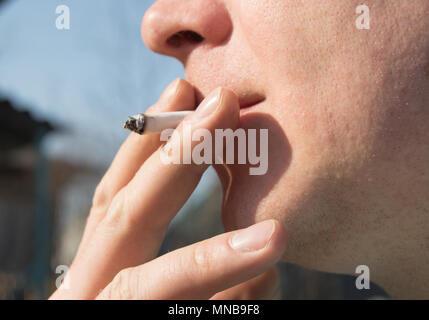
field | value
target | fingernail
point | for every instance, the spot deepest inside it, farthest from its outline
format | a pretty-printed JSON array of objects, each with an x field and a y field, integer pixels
[
  {"x": 173, "y": 85},
  {"x": 172, "y": 89},
  {"x": 209, "y": 105},
  {"x": 253, "y": 238}
]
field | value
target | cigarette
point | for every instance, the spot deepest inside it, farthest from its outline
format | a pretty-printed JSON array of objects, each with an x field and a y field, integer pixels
[{"x": 144, "y": 123}]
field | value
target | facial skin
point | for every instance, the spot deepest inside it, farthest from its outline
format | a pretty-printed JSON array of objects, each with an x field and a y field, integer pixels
[{"x": 348, "y": 116}]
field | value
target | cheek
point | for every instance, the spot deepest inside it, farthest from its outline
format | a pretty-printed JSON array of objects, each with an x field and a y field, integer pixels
[{"x": 295, "y": 40}]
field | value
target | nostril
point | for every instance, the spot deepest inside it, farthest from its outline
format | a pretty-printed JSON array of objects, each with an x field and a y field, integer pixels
[{"x": 182, "y": 37}]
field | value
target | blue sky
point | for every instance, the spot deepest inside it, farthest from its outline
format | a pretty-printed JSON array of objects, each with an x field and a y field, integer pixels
[{"x": 87, "y": 79}]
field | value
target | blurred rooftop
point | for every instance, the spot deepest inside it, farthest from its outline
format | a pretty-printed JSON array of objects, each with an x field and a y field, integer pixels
[{"x": 19, "y": 127}]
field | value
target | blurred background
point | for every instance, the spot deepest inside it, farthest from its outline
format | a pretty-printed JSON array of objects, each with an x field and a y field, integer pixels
[{"x": 64, "y": 95}]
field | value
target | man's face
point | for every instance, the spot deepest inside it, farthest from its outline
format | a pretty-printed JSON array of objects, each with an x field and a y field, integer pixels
[{"x": 347, "y": 113}]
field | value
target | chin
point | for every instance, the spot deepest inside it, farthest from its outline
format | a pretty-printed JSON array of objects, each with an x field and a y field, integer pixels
[{"x": 287, "y": 195}]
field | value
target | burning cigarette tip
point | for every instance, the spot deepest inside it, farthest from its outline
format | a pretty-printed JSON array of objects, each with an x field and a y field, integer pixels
[
  {"x": 135, "y": 124},
  {"x": 155, "y": 122}
]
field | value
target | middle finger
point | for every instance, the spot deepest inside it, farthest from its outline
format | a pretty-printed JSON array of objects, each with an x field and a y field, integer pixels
[{"x": 134, "y": 226}]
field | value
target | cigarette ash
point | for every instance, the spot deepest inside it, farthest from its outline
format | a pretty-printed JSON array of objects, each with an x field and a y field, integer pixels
[{"x": 135, "y": 124}]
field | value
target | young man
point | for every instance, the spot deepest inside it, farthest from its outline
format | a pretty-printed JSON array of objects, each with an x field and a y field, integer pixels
[{"x": 347, "y": 113}]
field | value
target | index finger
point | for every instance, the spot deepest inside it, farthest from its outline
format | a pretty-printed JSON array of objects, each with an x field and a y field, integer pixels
[
  {"x": 133, "y": 229},
  {"x": 178, "y": 96}
]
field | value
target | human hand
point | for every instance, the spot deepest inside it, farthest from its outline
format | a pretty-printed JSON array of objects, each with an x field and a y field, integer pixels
[{"x": 132, "y": 207}]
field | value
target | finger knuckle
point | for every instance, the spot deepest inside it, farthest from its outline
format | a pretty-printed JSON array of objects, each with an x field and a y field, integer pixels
[
  {"x": 120, "y": 287},
  {"x": 100, "y": 198},
  {"x": 115, "y": 213},
  {"x": 121, "y": 215},
  {"x": 202, "y": 259}
]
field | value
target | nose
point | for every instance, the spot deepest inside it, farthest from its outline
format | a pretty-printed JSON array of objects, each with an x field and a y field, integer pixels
[{"x": 176, "y": 27}]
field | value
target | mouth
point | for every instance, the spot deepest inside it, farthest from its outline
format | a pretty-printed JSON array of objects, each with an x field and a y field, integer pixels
[
  {"x": 251, "y": 100},
  {"x": 245, "y": 100}
]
